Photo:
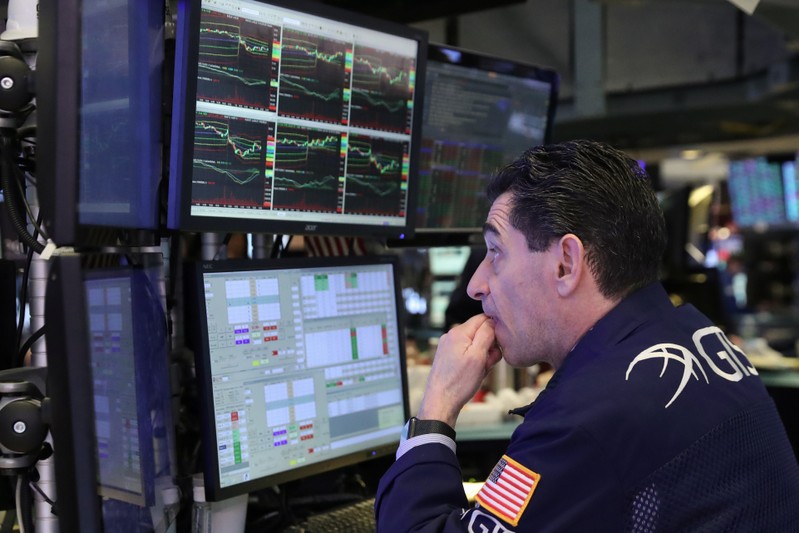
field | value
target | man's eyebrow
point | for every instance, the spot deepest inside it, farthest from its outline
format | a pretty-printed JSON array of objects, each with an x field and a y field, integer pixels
[{"x": 488, "y": 227}]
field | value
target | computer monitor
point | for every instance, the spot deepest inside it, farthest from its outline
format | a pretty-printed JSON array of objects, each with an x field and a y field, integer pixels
[
  {"x": 758, "y": 190},
  {"x": 296, "y": 118},
  {"x": 480, "y": 113},
  {"x": 100, "y": 118},
  {"x": 110, "y": 392},
  {"x": 300, "y": 365}
]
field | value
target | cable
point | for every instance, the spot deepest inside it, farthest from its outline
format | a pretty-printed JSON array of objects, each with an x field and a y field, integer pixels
[
  {"x": 223, "y": 247},
  {"x": 23, "y": 296},
  {"x": 44, "y": 496},
  {"x": 277, "y": 244},
  {"x": 20, "y": 360},
  {"x": 23, "y": 504},
  {"x": 278, "y": 247},
  {"x": 6, "y": 175},
  {"x": 18, "y": 499},
  {"x": 23, "y": 291},
  {"x": 25, "y": 203}
]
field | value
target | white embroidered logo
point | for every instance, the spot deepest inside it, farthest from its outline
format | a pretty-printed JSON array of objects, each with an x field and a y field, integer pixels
[
  {"x": 482, "y": 522},
  {"x": 706, "y": 339}
]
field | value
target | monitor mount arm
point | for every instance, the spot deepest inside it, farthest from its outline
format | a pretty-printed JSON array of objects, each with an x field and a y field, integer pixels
[{"x": 24, "y": 416}]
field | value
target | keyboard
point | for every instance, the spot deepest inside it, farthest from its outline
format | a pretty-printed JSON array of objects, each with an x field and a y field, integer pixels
[{"x": 356, "y": 517}]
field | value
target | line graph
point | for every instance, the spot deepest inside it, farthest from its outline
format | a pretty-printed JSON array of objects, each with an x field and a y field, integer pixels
[
  {"x": 382, "y": 90},
  {"x": 374, "y": 157},
  {"x": 235, "y": 61},
  {"x": 313, "y": 76},
  {"x": 229, "y": 160},
  {"x": 376, "y": 176},
  {"x": 308, "y": 163}
]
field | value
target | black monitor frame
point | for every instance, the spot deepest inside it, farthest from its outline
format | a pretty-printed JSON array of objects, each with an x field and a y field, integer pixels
[
  {"x": 70, "y": 390},
  {"x": 285, "y": 221},
  {"x": 197, "y": 339},
  {"x": 463, "y": 64}
]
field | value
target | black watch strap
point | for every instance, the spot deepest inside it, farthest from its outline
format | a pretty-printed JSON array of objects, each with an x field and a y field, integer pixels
[{"x": 418, "y": 427}]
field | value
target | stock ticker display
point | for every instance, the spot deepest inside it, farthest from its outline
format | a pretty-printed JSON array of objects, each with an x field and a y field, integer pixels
[{"x": 297, "y": 118}]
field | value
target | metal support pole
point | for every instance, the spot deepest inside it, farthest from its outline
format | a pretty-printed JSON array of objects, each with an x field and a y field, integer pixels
[
  {"x": 261, "y": 245},
  {"x": 46, "y": 521},
  {"x": 588, "y": 49},
  {"x": 210, "y": 245}
]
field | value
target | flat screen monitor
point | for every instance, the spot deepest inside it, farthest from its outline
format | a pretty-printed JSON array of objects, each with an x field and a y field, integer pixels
[
  {"x": 294, "y": 118},
  {"x": 100, "y": 118},
  {"x": 480, "y": 113},
  {"x": 300, "y": 365},
  {"x": 763, "y": 192},
  {"x": 110, "y": 391}
]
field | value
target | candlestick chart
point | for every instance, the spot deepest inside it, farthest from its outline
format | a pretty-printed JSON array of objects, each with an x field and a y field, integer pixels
[
  {"x": 376, "y": 176},
  {"x": 382, "y": 87},
  {"x": 307, "y": 169},
  {"x": 229, "y": 159},
  {"x": 235, "y": 62},
  {"x": 313, "y": 76}
]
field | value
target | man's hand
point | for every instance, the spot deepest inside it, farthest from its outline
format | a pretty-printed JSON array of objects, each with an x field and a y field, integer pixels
[{"x": 463, "y": 359}]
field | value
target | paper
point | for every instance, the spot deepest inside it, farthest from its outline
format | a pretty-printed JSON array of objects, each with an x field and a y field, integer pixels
[{"x": 746, "y": 5}]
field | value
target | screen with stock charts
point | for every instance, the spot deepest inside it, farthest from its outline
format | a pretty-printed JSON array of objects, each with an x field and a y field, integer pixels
[{"x": 294, "y": 118}]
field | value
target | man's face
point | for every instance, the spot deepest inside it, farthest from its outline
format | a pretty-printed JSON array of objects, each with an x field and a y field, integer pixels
[{"x": 517, "y": 290}]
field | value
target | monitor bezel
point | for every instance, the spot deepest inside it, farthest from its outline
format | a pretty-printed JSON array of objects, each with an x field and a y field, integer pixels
[
  {"x": 197, "y": 339},
  {"x": 471, "y": 59},
  {"x": 70, "y": 389},
  {"x": 179, "y": 215}
]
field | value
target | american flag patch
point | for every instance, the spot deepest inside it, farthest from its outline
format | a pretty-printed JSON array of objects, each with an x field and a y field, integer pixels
[{"x": 508, "y": 490}]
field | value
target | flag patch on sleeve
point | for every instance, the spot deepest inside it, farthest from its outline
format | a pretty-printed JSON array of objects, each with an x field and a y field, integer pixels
[{"x": 508, "y": 490}]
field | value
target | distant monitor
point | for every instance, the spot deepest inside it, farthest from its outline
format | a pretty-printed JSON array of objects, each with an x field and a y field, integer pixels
[
  {"x": 790, "y": 183},
  {"x": 300, "y": 365},
  {"x": 758, "y": 192},
  {"x": 294, "y": 117},
  {"x": 480, "y": 113},
  {"x": 110, "y": 391}
]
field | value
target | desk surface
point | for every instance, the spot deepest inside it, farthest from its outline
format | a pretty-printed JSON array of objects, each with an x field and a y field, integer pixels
[
  {"x": 501, "y": 431},
  {"x": 779, "y": 378}
]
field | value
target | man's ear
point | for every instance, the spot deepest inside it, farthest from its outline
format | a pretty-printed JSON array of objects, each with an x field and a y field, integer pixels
[{"x": 570, "y": 256}]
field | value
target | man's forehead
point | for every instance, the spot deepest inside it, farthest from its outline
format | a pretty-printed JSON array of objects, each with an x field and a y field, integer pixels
[{"x": 498, "y": 219}]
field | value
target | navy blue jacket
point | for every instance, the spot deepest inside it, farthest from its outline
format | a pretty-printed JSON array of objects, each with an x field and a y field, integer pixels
[{"x": 654, "y": 422}]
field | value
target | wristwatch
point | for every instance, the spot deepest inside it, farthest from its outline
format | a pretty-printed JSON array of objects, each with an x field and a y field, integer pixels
[{"x": 415, "y": 427}]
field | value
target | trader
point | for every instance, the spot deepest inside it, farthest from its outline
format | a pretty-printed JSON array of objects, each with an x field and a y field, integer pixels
[{"x": 653, "y": 420}]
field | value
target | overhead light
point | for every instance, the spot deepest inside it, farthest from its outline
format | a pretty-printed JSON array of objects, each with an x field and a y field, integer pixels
[{"x": 691, "y": 154}]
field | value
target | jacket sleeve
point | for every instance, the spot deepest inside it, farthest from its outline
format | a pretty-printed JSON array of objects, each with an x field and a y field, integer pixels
[
  {"x": 571, "y": 488},
  {"x": 421, "y": 492}
]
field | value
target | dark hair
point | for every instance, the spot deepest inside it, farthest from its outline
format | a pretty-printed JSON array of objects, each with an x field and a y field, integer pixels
[{"x": 597, "y": 193}]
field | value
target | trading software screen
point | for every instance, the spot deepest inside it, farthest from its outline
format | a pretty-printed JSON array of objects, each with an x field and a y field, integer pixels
[
  {"x": 305, "y": 366},
  {"x": 480, "y": 113}
]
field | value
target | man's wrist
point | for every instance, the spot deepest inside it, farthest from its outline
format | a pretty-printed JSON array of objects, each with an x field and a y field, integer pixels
[{"x": 415, "y": 427}]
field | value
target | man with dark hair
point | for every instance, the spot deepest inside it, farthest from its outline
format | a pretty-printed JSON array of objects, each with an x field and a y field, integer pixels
[{"x": 653, "y": 420}]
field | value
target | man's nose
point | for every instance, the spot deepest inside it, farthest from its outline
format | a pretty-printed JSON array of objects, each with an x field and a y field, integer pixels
[{"x": 477, "y": 288}]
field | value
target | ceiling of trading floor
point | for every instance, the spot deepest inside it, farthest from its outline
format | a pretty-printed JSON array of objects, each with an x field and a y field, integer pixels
[{"x": 670, "y": 72}]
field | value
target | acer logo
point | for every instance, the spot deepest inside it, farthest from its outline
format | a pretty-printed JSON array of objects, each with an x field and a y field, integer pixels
[{"x": 310, "y": 227}]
